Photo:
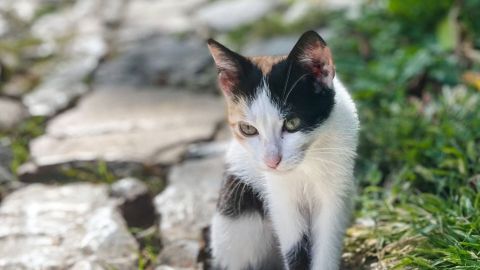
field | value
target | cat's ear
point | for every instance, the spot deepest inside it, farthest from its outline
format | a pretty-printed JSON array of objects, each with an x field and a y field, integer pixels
[
  {"x": 230, "y": 66},
  {"x": 311, "y": 53}
]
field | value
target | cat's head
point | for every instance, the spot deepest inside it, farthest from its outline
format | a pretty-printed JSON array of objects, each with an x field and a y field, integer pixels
[{"x": 276, "y": 104}]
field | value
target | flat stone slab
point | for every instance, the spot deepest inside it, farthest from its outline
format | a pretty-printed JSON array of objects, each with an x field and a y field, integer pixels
[
  {"x": 186, "y": 207},
  {"x": 63, "y": 85},
  {"x": 76, "y": 35},
  {"x": 129, "y": 124},
  {"x": 228, "y": 15},
  {"x": 159, "y": 60},
  {"x": 144, "y": 17},
  {"x": 64, "y": 227}
]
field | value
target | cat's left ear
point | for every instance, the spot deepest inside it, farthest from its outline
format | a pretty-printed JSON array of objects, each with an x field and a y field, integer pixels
[
  {"x": 230, "y": 65},
  {"x": 311, "y": 53}
]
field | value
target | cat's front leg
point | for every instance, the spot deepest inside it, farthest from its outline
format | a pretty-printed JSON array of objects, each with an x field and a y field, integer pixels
[
  {"x": 327, "y": 232},
  {"x": 291, "y": 227},
  {"x": 241, "y": 235}
]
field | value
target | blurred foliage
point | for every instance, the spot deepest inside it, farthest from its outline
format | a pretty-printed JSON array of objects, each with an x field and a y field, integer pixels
[
  {"x": 21, "y": 136},
  {"x": 274, "y": 24},
  {"x": 407, "y": 63},
  {"x": 150, "y": 246},
  {"x": 97, "y": 172}
]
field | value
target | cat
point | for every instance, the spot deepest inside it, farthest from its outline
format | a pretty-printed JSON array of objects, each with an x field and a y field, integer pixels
[{"x": 287, "y": 195}]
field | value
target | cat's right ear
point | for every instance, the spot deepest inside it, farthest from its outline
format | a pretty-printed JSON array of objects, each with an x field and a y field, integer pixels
[
  {"x": 230, "y": 66},
  {"x": 312, "y": 53}
]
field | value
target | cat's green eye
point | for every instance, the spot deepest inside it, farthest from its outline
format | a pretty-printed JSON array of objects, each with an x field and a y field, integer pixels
[
  {"x": 292, "y": 124},
  {"x": 247, "y": 129}
]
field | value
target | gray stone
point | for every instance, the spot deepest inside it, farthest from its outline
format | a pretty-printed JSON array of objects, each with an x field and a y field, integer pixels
[
  {"x": 274, "y": 46},
  {"x": 228, "y": 15},
  {"x": 64, "y": 26},
  {"x": 53, "y": 26},
  {"x": 76, "y": 34},
  {"x": 61, "y": 87},
  {"x": 12, "y": 113},
  {"x": 186, "y": 207},
  {"x": 86, "y": 265},
  {"x": 112, "y": 11},
  {"x": 181, "y": 254},
  {"x": 128, "y": 124},
  {"x": 166, "y": 267},
  {"x": 85, "y": 17},
  {"x": 67, "y": 79},
  {"x": 144, "y": 17},
  {"x": 159, "y": 60},
  {"x": 206, "y": 149},
  {"x": 4, "y": 26},
  {"x": 19, "y": 85},
  {"x": 6, "y": 157},
  {"x": 128, "y": 189},
  {"x": 58, "y": 227},
  {"x": 22, "y": 9},
  {"x": 135, "y": 202}
]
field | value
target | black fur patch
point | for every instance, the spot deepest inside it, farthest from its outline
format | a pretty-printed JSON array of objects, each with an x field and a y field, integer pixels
[
  {"x": 273, "y": 263},
  {"x": 238, "y": 198},
  {"x": 247, "y": 76},
  {"x": 299, "y": 257},
  {"x": 250, "y": 77},
  {"x": 298, "y": 94},
  {"x": 295, "y": 92}
]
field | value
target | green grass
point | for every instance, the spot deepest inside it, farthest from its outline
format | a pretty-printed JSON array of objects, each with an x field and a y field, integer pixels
[
  {"x": 419, "y": 161},
  {"x": 21, "y": 136},
  {"x": 150, "y": 246}
]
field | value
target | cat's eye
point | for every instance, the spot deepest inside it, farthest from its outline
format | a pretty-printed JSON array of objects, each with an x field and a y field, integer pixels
[
  {"x": 247, "y": 129},
  {"x": 292, "y": 124}
]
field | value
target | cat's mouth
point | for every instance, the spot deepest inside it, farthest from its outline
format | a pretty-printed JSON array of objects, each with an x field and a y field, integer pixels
[{"x": 283, "y": 167}]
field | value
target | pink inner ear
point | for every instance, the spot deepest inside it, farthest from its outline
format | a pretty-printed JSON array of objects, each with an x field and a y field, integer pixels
[
  {"x": 226, "y": 81},
  {"x": 318, "y": 69},
  {"x": 318, "y": 59}
]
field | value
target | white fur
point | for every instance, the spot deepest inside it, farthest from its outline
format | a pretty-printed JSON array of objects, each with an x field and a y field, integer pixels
[
  {"x": 310, "y": 191},
  {"x": 241, "y": 242}
]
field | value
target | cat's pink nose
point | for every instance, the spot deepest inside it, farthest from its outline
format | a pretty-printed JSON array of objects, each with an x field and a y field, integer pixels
[{"x": 273, "y": 161}]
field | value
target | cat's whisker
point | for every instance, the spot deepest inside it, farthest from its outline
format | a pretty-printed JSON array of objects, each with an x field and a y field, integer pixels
[
  {"x": 346, "y": 155},
  {"x": 286, "y": 81},
  {"x": 236, "y": 184},
  {"x": 335, "y": 150},
  {"x": 340, "y": 153},
  {"x": 331, "y": 152},
  {"x": 344, "y": 150},
  {"x": 330, "y": 162},
  {"x": 241, "y": 197},
  {"x": 293, "y": 87}
]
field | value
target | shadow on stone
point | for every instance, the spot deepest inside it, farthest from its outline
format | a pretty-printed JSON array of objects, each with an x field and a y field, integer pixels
[{"x": 135, "y": 202}]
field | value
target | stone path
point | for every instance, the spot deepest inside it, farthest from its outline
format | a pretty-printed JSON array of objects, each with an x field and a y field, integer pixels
[
  {"x": 114, "y": 92},
  {"x": 128, "y": 84},
  {"x": 73, "y": 226},
  {"x": 185, "y": 211},
  {"x": 129, "y": 124}
]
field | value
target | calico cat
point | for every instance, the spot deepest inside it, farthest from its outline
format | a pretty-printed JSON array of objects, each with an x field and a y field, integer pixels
[{"x": 287, "y": 193}]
